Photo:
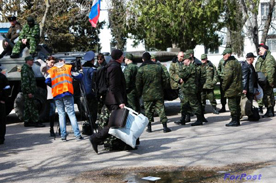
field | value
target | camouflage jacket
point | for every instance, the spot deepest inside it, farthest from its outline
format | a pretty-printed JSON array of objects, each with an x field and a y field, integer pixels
[
  {"x": 209, "y": 75},
  {"x": 151, "y": 81},
  {"x": 220, "y": 69},
  {"x": 14, "y": 31},
  {"x": 190, "y": 75},
  {"x": 267, "y": 65},
  {"x": 130, "y": 73},
  {"x": 30, "y": 32},
  {"x": 232, "y": 78},
  {"x": 28, "y": 82},
  {"x": 174, "y": 74}
]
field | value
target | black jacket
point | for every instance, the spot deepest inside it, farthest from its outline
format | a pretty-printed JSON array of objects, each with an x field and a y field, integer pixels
[
  {"x": 116, "y": 94},
  {"x": 249, "y": 77}
]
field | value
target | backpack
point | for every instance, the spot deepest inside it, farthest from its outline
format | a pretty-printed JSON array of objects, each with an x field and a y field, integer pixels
[{"x": 100, "y": 82}]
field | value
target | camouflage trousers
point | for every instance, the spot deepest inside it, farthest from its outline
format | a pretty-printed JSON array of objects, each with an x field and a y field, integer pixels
[
  {"x": 19, "y": 46},
  {"x": 30, "y": 113},
  {"x": 222, "y": 98},
  {"x": 133, "y": 101},
  {"x": 191, "y": 101},
  {"x": 234, "y": 106},
  {"x": 268, "y": 98},
  {"x": 208, "y": 94},
  {"x": 158, "y": 106},
  {"x": 182, "y": 101}
]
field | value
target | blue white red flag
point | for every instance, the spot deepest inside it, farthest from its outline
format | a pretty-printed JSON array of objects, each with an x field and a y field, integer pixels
[{"x": 95, "y": 12}]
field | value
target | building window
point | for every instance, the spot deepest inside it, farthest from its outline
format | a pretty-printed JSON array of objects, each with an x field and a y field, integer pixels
[
  {"x": 271, "y": 43},
  {"x": 265, "y": 11}
]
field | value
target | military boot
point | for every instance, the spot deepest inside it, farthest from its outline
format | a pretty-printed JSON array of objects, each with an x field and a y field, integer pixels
[
  {"x": 234, "y": 122},
  {"x": 188, "y": 118},
  {"x": 198, "y": 121},
  {"x": 214, "y": 110},
  {"x": 181, "y": 121},
  {"x": 165, "y": 128},
  {"x": 202, "y": 114},
  {"x": 269, "y": 112},
  {"x": 149, "y": 128},
  {"x": 222, "y": 109}
]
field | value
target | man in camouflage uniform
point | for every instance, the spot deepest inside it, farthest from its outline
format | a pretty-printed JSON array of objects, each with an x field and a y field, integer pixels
[
  {"x": 11, "y": 36},
  {"x": 190, "y": 75},
  {"x": 232, "y": 85},
  {"x": 29, "y": 36},
  {"x": 220, "y": 76},
  {"x": 150, "y": 83},
  {"x": 130, "y": 77},
  {"x": 266, "y": 64},
  {"x": 28, "y": 87},
  {"x": 208, "y": 81}
]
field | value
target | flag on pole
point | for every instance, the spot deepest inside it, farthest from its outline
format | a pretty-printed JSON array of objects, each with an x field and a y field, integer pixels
[{"x": 95, "y": 12}]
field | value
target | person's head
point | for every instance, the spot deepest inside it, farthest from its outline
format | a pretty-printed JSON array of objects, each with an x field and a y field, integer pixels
[
  {"x": 204, "y": 58},
  {"x": 153, "y": 58},
  {"x": 227, "y": 53},
  {"x": 12, "y": 20},
  {"x": 89, "y": 57},
  {"x": 29, "y": 60},
  {"x": 51, "y": 61},
  {"x": 128, "y": 58},
  {"x": 180, "y": 56},
  {"x": 250, "y": 58},
  {"x": 190, "y": 52},
  {"x": 146, "y": 56},
  {"x": 262, "y": 49},
  {"x": 117, "y": 55},
  {"x": 30, "y": 21},
  {"x": 187, "y": 59},
  {"x": 100, "y": 58}
]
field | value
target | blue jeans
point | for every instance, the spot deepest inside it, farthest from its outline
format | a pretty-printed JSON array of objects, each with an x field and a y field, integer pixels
[{"x": 67, "y": 103}]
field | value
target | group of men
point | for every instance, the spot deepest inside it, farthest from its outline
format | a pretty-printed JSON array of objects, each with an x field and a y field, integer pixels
[{"x": 18, "y": 38}]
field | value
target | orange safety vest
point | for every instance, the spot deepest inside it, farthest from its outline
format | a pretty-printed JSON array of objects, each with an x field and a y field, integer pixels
[{"x": 62, "y": 80}]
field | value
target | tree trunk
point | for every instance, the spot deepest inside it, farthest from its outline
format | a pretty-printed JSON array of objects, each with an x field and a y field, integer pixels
[
  {"x": 268, "y": 21},
  {"x": 42, "y": 23}
]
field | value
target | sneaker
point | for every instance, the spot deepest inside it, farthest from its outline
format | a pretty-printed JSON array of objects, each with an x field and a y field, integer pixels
[
  {"x": 63, "y": 139},
  {"x": 79, "y": 138}
]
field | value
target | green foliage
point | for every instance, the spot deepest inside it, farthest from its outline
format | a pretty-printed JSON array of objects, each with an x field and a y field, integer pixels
[
  {"x": 183, "y": 23},
  {"x": 66, "y": 27}
]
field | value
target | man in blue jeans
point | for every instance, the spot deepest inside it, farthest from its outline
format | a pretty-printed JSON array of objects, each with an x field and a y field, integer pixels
[{"x": 60, "y": 78}]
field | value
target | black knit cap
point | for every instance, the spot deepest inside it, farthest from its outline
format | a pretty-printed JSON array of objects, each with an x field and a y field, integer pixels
[
  {"x": 146, "y": 56},
  {"x": 12, "y": 18},
  {"x": 116, "y": 54},
  {"x": 263, "y": 45}
]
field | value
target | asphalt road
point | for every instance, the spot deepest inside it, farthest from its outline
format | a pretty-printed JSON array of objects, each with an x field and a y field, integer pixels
[{"x": 30, "y": 155}]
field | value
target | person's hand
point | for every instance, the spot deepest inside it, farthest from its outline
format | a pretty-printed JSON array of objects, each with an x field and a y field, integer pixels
[
  {"x": 122, "y": 106},
  {"x": 244, "y": 92},
  {"x": 2, "y": 102},
  {"x": 6, "y": 43},
  {"x": 30, "y": 95},
  {"x": 24, "y": 41},
  {"x": 181, "y": 81}
]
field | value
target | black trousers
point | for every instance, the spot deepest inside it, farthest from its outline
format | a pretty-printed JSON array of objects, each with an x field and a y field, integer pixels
[
  {"x": 103, "y": 134},
  {"x": 2, "y": 122}
]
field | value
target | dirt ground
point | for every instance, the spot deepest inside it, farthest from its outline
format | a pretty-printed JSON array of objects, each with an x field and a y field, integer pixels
[{"x": 172, "y": 174}]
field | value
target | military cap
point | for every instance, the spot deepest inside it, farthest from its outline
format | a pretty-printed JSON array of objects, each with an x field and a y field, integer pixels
[
  {"x": 129, "y": 56},
  {"x": 29, "y": 58},
  {"x": 263, "y": 45},
  {"x": 189, "y": 51},
  {"x": 203, "y": 56},
  {"x": 153, "y": 56},
  {"x": 12, "y": 18},
  {"x": 186, "y": 56},
  {"x": 227, "y": 50},
  {"x": 250, "y": 55}
]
